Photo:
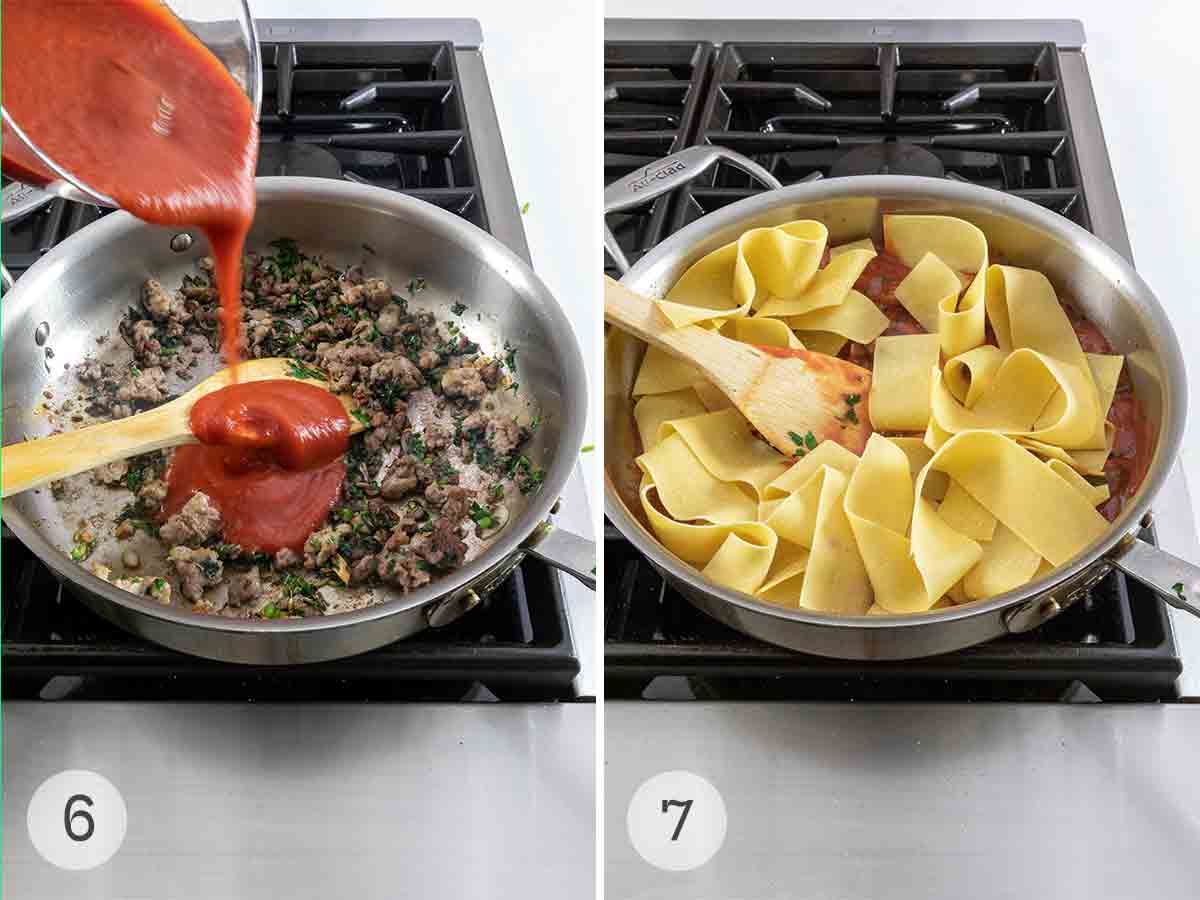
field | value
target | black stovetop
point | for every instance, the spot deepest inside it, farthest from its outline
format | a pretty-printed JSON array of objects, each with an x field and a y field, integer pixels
[
  {"x": 390, "y": 115},
  {"x": 993, "y": 115}
]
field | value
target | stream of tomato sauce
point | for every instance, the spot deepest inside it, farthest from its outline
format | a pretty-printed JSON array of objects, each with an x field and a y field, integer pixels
[
  {"x": 270, "y": 460},
  {"x": 120, "y": 94},
  {"x": 1133, "y": 444}
]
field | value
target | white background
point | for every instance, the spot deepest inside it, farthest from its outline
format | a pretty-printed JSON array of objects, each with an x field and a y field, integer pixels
[
  {"x": 544, "y": 66},
  {"x": 1146, "y": 75}
]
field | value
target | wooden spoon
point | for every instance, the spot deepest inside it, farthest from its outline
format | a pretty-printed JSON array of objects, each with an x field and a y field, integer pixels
[
  {"x": 784, "y": 393},
  {"x": 34, "y": 463}
]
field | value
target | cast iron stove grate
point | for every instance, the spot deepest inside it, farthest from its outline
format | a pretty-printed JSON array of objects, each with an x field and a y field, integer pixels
[
  {"x": 514, "y": 646},
  {"x": 993, "y": 115},
  {"x": 1114, "y": 645},
  {"x": 390, "y": 115},
  {"x": 652, "y": 97}
]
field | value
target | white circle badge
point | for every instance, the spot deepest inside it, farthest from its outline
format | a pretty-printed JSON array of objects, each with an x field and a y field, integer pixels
[
  {"x": 676, "y": 821},
  {"x": 77, "y": 819}
]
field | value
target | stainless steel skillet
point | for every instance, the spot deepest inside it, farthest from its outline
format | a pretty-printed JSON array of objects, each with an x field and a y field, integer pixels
[
  {"x": 80, "y": 290},
  {"x": 1018, "y": 232}
]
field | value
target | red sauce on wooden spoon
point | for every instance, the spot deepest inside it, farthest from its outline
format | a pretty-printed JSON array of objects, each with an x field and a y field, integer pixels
[{"x": 270, "y": 460}]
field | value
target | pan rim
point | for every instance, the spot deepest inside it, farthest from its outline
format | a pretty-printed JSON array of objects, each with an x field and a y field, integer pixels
[
  {"x": 525, "y": 283},
  {"x": 908, "y": 187}
]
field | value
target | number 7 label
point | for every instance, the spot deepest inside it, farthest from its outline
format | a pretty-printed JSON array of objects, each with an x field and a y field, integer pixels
[{"x": 676, "y": 821}]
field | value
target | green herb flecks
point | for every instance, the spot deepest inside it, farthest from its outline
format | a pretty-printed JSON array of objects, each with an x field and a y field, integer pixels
[
  {"x": 458, "y": 308},
  {"x": 481, "y": 516},
  {"x": 81, "y": 551},
  {"x": 1177, "y": 587},
  {"x": 298, "y": 586},
  {"x": 287, "y": 256},
  {"x": 525, "y": 208},
  {"x": 362, "y": 417},
  {"x": 416, "y": 285},
  {"x": 804, "y": 444},
  {"x": 297, "y": 369},
  {"x": 270, "y": 611},
  {"x": 587, "y": 448}
]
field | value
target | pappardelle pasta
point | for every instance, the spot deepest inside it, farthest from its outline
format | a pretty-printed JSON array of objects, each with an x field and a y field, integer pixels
[{"x": 1003, "y": 445}]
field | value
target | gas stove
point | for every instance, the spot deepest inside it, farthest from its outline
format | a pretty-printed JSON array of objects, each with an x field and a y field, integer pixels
[
  {"x": 1008, "y": 105},
  {"x": 404, "y": 105}
]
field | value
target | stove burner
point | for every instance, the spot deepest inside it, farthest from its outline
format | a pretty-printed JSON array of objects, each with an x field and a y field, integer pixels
[
  {"x": 291, "y": 158},
  {"x": 889, "y": 158}
]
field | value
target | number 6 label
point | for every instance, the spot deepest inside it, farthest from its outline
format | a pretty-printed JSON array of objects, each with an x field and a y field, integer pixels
[
  {"x": 676, "y": 821},
  {"x": 76, "y": 819}
]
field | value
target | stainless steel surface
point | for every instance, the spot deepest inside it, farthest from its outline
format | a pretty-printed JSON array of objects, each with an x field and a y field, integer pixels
[
  {"x": 1096, "y": 277},
  {"x": 21, "y": 199},
  {"x": 495, "y": 182},
  {"x": 1095, "y": 169},
  {"x": 306, "y": 800},
  {"x": 1066, "y": 33},
  {"x": 72, "y": 288},
  {"x": 463, "y": 33},
  {"x": 665, "y": 175},
  {"x": 928, "y": 801},
  {"x": 564, "y": 551},
  {"x": 1176, "y": 580}
]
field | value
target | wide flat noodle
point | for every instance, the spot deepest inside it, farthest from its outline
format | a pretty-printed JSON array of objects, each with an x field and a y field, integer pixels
[
  {"x": 856, "y": 318},
  {"x": 836, "y": 580},
  {"x": 741, "y": 563},
  {"x": 822, "y": 342},
  {"x": 724, "y": 445},
  {"x": 696, "y": 544},
  {"x": 1007, "y": 562},
  {"x": 689, "y": 491},
  {"x": 650, "y": 412},
  {"x": 662, "y": 373},
  {"x": 1016, "y": 402},
  {"x": 1095, "y": 493},
  {"x": 757, "y": 330},
  {"x": 969, "y": 375},
  {"x": 740, "y": 276},
  {"x": 965, "y": 514},
  {"x": 1046, "y": 512},
  {"x": 925, "y": 287},
  {"x": 902, "y": 381},
  {"x": 828, "y": 287},
  {"x": 878, "y": 500},
  {"x": 827, "y": 454},
  {"x": 782, "y": 584},
  {"x": 861, "y": 244},
  {"x": 960, "y": 246}
]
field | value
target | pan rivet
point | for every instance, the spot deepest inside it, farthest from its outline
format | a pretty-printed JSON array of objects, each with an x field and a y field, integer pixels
[
  {"x": 181, "y": 242},
  {"x": 41, "y": 333}
]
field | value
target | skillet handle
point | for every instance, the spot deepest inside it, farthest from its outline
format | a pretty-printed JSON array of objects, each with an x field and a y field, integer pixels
[
  {"x": 1176, "y": 580},
  {"x": 647, "y": 182},
  {"x": 564, "y": 551}
]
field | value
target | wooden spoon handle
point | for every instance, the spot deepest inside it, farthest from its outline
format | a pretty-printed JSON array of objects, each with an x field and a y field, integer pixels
[
  {"x": 636, "y": 315},
  {"x": 34, "y": 463}
]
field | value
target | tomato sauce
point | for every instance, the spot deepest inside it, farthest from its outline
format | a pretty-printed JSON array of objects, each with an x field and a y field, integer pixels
[
  {"x": 1134, "y": 440},
  {"x": 120, "y": 94},
  {"x": 270, "y": 460}
]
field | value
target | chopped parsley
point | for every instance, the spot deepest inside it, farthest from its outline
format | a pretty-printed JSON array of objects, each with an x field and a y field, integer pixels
[
  {"x": 525, "y": 207},
  {"x": 81, "y": 551},
  {"x": 415, "y": 445},
  {"x": 481, "y": 516},
  {"x": 458, "y": 308},
  {"x": 362, "y": 417},
  {"x": 1177, "y": 587},
  {"x": 803, "y": 444},
  {"x": 135, "y": 477},
  {"x": 270, "y": 611},
  {"x": 298, "y": 586},
  {"x": 587, "y": 448},
  {"x": 852, "y": 399},
  {"x": 298, "y": 369},
  {"x": 211, "y": 569},
  {"x": 510, "y": 357},
  {"x": 287, "y": 256}
]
